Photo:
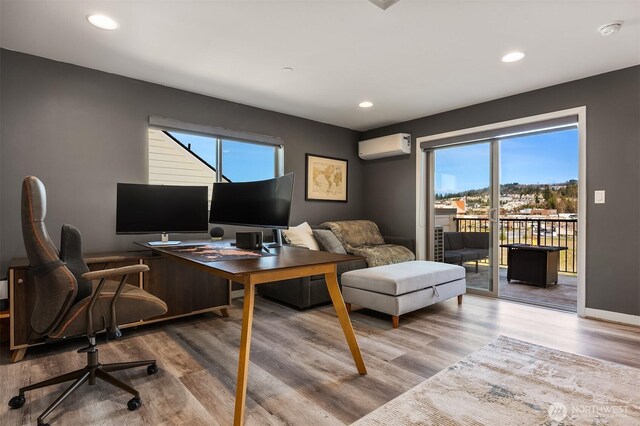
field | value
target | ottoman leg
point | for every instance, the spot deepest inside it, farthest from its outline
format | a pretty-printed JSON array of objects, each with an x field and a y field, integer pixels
[
  {"x": 460, "y": 299},
  {"x": 348, "y": 306},
  {"x": 396, "y": 320}
]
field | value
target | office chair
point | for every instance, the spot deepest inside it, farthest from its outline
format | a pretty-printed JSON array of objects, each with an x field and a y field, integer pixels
[{"x": 68, "y": 302}]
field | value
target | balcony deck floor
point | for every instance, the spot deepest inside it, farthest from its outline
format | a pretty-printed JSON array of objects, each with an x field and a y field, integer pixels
[{"x": 562, "y": 296}]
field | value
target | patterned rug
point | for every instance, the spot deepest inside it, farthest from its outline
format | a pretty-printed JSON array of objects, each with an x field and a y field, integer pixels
[{"x": 511, "y": 382}]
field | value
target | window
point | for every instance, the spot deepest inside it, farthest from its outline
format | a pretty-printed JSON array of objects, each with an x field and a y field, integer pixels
[
  {"x": 244, "y": 162},
  {"x": 180, "y": 158}
]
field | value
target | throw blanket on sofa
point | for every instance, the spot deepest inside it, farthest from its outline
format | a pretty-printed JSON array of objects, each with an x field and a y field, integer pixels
[{"x": 363, "y": 238}]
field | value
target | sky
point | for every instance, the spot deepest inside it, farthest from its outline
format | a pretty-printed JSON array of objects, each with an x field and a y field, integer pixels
[
  {"x": 241, "y": 162},
  {"x": 536, "y": 159}
]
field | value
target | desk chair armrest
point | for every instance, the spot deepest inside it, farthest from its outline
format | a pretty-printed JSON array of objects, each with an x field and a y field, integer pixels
[
  {"x": 103, "y": 275},
  {"x": 113, "y": 272}
]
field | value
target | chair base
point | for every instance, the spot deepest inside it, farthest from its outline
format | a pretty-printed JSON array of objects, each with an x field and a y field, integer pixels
[{"x": 93, "y": 371}]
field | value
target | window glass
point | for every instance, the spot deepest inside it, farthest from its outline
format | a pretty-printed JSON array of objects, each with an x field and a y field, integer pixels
[
  {"x": 177, "y": 158},
  {"x": 203, "y": 146},
  {"x": 243, "y": 162}
]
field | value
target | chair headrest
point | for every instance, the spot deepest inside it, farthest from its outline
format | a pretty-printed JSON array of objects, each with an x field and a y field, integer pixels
[{"x": 34, "y": 198}]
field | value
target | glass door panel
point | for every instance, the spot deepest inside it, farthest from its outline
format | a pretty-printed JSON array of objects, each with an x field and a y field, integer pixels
[
  {"x": 539, "y": 203},
  {"x": 464, "y": 200}
]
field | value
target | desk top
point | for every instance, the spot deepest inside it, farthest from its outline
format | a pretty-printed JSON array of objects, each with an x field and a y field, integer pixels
[
  {"x": 533, "y": 248},
  {"x": 282, "y": 258}
]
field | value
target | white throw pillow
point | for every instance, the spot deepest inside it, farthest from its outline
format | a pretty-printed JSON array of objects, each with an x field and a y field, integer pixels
[{"x": 301, "y": 235}]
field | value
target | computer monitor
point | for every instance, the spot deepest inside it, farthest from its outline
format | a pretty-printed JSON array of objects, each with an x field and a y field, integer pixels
[
  {"x": 160, "y": 209},
  {"x": 263, "y": 204}
]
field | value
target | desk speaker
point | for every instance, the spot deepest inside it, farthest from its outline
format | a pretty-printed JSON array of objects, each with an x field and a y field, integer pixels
[
  {"x": 249, "y": 240},
  {"x": 216, "y": 232}
]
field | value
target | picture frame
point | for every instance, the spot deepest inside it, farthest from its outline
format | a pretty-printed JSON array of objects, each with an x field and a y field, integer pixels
[{"x": 326, "y": 178}]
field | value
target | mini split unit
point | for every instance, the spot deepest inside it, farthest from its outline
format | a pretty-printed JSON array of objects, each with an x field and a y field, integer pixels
[{"x": 386, "y": 146}]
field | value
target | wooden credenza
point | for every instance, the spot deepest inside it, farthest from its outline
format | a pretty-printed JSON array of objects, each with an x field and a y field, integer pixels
[{"x": 185, "y": 290}]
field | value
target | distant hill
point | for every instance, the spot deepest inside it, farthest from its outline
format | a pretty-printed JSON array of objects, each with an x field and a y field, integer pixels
[{"x": 515, "y": 196}]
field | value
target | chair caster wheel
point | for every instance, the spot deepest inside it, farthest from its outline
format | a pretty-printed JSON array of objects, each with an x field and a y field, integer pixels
[
  {"x": 114, "y": 334},
  {"x": 17, "y": 401},
  {"x": 134, "y": 404},
  {"x": 152, "y": 369}
]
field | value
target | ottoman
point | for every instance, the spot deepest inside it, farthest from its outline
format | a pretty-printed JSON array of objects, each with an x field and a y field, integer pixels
[{"x": 403, "y": 287}]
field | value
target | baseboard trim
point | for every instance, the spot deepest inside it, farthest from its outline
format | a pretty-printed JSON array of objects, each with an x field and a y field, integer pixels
[{"x": 612, "y": 316}]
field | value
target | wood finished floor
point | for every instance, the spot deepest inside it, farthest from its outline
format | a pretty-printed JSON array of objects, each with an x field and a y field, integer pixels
[{"x": 301, "y": 371}]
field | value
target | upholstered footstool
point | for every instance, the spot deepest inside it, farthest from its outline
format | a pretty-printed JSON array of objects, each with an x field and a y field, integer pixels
[{"x": 403, "y": 287}]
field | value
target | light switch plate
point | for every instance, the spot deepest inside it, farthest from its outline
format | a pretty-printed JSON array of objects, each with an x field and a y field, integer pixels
[{"x": 599, "y": 196}]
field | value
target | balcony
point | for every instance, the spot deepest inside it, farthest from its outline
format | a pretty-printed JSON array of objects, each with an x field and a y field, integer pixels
[{"x": 535, "y": 231}]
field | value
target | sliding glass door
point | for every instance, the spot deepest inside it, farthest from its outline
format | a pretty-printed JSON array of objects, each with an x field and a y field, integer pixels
[
  {"x": 464, "y": 210},
  {"x": 506, "y": 209}
]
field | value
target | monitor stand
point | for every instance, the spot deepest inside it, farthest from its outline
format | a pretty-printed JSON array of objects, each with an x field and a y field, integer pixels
[
  {"x": 277, "y": 239},
  {"x": 165, "y": 241}
]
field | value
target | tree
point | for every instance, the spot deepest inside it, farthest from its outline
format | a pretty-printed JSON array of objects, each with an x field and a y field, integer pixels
[{"x": 549, "y": 198}]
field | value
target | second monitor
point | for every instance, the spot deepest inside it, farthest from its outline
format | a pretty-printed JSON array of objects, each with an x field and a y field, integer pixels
[{"x": 262, "y": 204}]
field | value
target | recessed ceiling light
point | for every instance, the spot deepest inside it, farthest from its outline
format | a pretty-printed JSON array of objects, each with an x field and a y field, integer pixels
[
  {"x": 365, "y": 104},
  {"x": 287, "y": 69},
  {"x": 513, "y": 57},
  {"x": 102, "y": 22},
  {"x": 610, "y": 28}
]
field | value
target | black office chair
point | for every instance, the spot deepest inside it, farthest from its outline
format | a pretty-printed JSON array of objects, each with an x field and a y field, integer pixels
[{"x": 68, "y": 303}]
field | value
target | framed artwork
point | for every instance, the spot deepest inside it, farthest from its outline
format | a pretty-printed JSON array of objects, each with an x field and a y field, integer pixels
[{"x": 326, "y": 178}]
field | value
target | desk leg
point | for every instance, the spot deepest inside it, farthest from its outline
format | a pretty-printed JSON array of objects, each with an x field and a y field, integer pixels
[
  {"x": 18, "y": 354},
  {"x": 245, "y": 349},
  {"x": 345, "y": 322}
]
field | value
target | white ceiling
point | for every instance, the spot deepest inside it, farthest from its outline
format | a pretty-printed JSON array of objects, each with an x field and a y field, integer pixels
[{"x": 417, "y": 58}]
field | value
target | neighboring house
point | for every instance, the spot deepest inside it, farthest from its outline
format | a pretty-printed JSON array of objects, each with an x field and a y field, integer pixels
[{"x": 170, "y": 163}]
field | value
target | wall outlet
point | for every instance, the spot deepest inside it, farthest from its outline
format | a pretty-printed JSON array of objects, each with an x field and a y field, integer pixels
[
  {"x": 4, "y": 289},
  {"x": 599, "y": 196}
]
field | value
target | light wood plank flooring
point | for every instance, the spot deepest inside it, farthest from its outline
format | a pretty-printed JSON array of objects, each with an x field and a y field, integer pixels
[{"x": 301, "y": 370}]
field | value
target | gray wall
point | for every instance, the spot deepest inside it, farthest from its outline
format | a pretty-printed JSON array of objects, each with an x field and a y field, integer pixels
[
  {"x": 613, "y": 164},
  {"x": 81, "y": 131}
]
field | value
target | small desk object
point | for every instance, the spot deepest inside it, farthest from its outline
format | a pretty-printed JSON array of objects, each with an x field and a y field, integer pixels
[
  {"x": 285, "y": 263},
  {"x": 536, "y": 265}
]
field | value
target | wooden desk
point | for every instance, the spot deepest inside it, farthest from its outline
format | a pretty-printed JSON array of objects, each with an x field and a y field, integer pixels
[
  {"x": 537, "y": 265},
  {"x": 289, "y": 262}
]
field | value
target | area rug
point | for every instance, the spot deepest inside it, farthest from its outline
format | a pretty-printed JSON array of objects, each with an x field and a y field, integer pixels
[{"x": 511, "y": 382}]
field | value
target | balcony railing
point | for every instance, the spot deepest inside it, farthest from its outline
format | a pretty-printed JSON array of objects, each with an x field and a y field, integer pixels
[{"x": 541, "y": 232}]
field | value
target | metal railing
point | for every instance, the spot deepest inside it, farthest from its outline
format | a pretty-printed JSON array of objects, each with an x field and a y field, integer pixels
[{"x": 538, "y": 231}]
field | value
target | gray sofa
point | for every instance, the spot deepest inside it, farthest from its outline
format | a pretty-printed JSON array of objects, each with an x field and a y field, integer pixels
[
  {"x": 460, "y": 247},
  {"x": 305, "y": 292}
]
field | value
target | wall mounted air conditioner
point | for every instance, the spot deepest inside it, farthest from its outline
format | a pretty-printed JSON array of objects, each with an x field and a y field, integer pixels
[{"x": 386, "y": 146}]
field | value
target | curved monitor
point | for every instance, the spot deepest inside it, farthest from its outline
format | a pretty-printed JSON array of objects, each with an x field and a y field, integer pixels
[
  {"x": 263, "y": 203},
  {"x": 154, "y": 209}
]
